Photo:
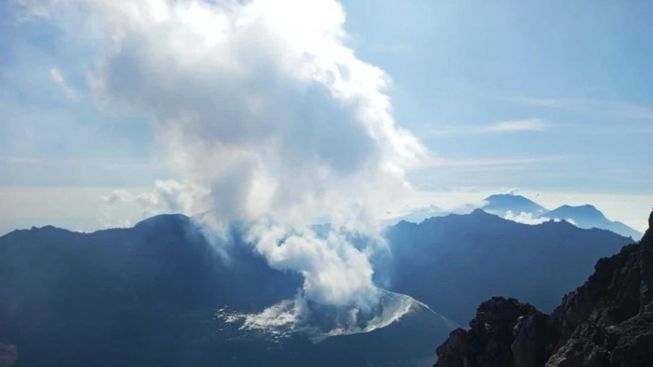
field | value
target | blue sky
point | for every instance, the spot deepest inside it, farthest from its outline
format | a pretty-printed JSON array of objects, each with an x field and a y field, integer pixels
[
  {"x": 583, "y": 70},
  {"x": 554, "y": 98}
]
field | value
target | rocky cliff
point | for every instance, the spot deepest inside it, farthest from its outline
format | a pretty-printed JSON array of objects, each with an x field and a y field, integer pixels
[{"x": 608, "y": 321}]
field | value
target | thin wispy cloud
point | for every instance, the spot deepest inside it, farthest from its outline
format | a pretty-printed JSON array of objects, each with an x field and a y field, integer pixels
[
  {"x": 525, "y": 125},
  {"x": 514, "y": 126},
  {"x": 58, "y": 79},
  {"x": 80, "y": 162},
  {"x": 490, "y": 162},
  {"x": 616, "y": 108}
]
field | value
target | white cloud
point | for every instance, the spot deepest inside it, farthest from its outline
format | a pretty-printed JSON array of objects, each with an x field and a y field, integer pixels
[
  {"x": 270, "y": 118},
  {"x": 116, "y": 196},
  {"x": 513, "y": 191},
  {"x": 525, "y": 218},
  {"x": 514, "y": 126},
  {"x": 57, "y": 78},
  {"x": 531, "y": 125},
  {"x": 172, "y": 196}
]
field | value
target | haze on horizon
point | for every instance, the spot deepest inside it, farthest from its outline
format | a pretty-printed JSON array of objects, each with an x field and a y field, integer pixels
[{"x": 554, "y": 99}]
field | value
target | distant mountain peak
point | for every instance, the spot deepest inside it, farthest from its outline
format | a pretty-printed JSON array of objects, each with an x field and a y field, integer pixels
[
  {"x": 508, "y": 196},
  {"x": 479, "y": 212},
  {"x": 588, "y": 216},
  {"x": 501, "y": 204},
  {"x": 585, "y": 209},
  {"x": 521, "y": 209},
  {"x": 163, "y": 219}
]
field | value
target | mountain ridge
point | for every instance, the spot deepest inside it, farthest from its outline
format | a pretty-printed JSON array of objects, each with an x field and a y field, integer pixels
[
  {"x": 502, "y": 203},
  {"x": 158, "y": 284},
  {"x": 586, "y": 216},
  {"x": 151, "y": 293},
  {"x": 437, "y": 258},
  {"x": 605, "y": 322}
]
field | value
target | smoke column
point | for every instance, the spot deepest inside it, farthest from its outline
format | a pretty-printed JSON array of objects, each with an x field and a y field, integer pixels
[{"x": 270, "y": 118}]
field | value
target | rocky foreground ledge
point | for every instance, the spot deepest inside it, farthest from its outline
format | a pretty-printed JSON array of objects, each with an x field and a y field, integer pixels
[{"x": 608, "y": 321}]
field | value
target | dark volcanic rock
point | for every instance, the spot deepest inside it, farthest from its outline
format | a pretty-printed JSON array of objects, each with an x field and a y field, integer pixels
[
  {"x": 491, "y": 334},
  {"x": 532, "y": 340},
  {"x": 606, "y": 322}
]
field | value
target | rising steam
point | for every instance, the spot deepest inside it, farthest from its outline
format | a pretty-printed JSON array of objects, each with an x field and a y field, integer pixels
[{"x": 268, "y": 114}]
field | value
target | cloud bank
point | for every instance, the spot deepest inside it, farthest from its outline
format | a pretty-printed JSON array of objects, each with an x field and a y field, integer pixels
[{"x": 269, "y": 117}]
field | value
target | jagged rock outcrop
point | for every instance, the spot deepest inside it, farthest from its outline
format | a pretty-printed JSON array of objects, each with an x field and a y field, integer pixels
[
  {"x": 606, "y": 322},
  {"x": 489, "y": 340}
]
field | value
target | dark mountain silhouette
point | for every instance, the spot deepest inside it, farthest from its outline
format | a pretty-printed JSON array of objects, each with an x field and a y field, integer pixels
[
  {"x": 419, "y": 215},
  {"x": 606, "y": 322},
  {"x": 149, "y": 296},
  {"x": 587, "y": 216},
  {"x": 453, "y": 263},
  {"x": 501, "y": 204}
]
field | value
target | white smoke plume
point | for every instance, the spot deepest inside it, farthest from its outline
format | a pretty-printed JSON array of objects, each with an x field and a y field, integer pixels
[{"x": 268, "y": 113}]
